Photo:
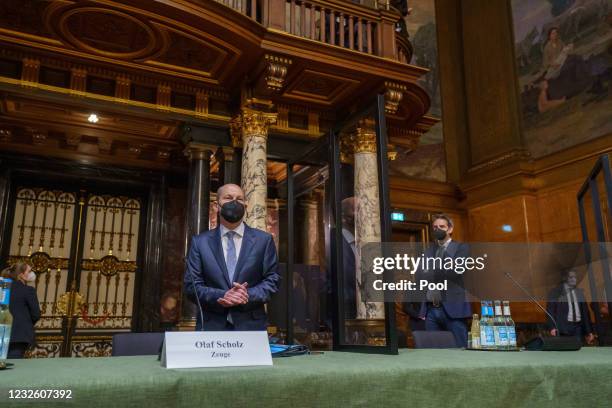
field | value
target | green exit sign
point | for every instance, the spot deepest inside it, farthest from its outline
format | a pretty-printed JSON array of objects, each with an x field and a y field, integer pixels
[{"x": 397, "y": 216}]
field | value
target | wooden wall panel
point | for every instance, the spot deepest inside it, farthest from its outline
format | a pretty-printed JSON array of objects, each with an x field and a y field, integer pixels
[
  {"x": 490, "y": 82},
  {"x": 558, "y": 209}
]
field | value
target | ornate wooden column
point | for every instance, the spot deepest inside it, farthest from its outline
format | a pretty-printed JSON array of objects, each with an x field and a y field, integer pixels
[
  {"x": 367, "y": 211},
  {"x": 254, "y": 157},
  {"x": 198, "y": 197}
]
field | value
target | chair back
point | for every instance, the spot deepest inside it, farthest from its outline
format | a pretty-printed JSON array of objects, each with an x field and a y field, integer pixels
[
  {"x": 137, "y": 344},
  {"x": 433, "y": 339}
]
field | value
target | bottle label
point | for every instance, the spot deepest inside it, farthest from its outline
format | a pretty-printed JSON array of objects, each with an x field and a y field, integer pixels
[
  {"x": 490, "y": 310},
  {"x": 5, "y": 338},
  {"x": 5, "y": 296},
  {"x": 511, "y": 336},
  {"x": 483, "y": 311},
  {"x": 5, "y": 291},
  {"x": 475, "y": 342},
  {"x": 506, "y": 310},
  {"x": 498, "y": 310},
  {"x": 490, "y": 336},
  {"x": 503, "y": 335},
  {"x": 483, "y": 336}
]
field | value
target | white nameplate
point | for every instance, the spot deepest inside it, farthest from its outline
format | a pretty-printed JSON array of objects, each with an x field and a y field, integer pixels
[{"x": 216, "y": 349}]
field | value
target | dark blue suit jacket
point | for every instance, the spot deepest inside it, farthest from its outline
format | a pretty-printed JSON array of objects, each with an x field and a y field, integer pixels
[
  {"x": 26, "y": 312},
  {"x": 257, "y": 264},
  {"x": 558, "y": 307},
  {"x": 453, "y": 299}
]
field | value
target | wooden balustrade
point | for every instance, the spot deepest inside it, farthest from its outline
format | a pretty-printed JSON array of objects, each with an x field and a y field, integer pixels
[
  {"x": 366, "y": 26},
  {"x": 250, "y": 8},
  {"x": 330, "y": 24}
]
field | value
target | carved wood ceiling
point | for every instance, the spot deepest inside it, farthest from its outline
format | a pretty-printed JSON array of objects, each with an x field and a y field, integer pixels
[{"x": 187, "y": 50}]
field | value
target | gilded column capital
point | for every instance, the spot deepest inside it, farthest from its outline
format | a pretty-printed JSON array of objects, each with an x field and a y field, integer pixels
[
  {"x": 256, "y": 123},
  {"x": 365, "y": 137}
]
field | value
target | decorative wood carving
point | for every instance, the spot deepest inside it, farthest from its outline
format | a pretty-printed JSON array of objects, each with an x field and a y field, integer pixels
[
  {"x": 30, "y": 70},
  {"x": 276, "y": 71},
  {"x": 393, "y": 96},
  {"x": 78, "y": 80},
  {"x": 236, "y": 131},
  {"x": 160, "y": 49},
  {"x": 106, "y": 32}
]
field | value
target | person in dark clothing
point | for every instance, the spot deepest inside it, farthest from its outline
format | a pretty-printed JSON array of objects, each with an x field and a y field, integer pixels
[
  {"x": 23, "y": 306},
  {"x": 567, "y": 304}
]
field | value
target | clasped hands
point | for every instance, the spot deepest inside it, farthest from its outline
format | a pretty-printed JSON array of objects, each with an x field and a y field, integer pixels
[{"x": 237, "y": 295}]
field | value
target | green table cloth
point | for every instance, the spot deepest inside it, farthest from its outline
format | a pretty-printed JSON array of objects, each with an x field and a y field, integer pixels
[{"x": 414, "y": 378}]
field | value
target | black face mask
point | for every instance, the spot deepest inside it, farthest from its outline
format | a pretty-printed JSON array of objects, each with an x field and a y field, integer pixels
[
  {"x": 439, "y": 234},
  {"x": 232, "y": 211}
]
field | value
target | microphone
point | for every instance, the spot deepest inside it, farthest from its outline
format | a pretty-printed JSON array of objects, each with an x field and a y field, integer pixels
[
  {"x": 557, "y": 343},
  {"x": 195, "y": 292},
  {"x": 533, "y": 299}
]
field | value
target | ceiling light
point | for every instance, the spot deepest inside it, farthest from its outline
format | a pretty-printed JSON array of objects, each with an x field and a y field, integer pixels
[{"x": 93, "y": 118}]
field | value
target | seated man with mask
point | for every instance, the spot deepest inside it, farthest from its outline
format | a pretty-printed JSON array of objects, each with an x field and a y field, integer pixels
[{"x": 232, "y": 269}]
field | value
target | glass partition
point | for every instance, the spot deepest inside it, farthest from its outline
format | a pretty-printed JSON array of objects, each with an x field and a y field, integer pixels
[
  {"x": 595, "y": 211},
  {"x": 337, "y": 203}
]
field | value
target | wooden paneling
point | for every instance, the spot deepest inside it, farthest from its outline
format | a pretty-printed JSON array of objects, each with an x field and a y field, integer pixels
[
  {"x": 558, "y": 210},
  {"x": 452, "y": 86},
  {"x": 490, "y": 82}
]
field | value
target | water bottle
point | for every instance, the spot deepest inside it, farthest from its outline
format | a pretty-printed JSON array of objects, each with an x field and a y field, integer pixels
[{"x": 6, "y": 319}]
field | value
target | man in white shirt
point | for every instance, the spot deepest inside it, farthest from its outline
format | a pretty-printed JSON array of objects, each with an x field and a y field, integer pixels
[{"x": 567, "y": 304}]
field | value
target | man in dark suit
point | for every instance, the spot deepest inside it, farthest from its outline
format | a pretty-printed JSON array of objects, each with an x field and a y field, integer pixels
[
  {"x": 349, "y": 268},
  {"x": 232, "y": 269},
  {"x": 24, "y": 308},
  {"x": 445, "y": 310},
  {"x": 567, "y": 304},
  {"x": 349, "y": 256}
]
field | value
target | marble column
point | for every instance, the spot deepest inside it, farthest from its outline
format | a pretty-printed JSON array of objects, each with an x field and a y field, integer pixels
[
  {"x": 367, "y": 211},
  {"x": 254, "y": 158},
  {"x": 310, "y": 231},
  {"x": 198, "y": 203}
]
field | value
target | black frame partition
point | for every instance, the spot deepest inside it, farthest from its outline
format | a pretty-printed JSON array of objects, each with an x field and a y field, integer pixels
[
  {"x": 333, "y": 215},
  {"x": 602, "y": 167},
  {"x": 306, "y": 157}
]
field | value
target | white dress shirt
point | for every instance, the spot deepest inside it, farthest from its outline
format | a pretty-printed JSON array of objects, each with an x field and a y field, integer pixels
[
  {"x": 350, "y": 238},
  {"x": 239, "y": 233},
  {"x": 572, "y": 299}
]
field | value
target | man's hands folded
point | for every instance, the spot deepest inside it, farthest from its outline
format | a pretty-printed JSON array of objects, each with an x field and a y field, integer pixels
[{"x": 237, "y": 295}]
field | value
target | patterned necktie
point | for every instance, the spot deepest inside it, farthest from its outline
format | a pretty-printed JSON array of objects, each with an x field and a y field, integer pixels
[
  {"x": 440, "y": 251},
  {"x": 231, "y": 255},
  {"x": 572, "y": 297}
]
